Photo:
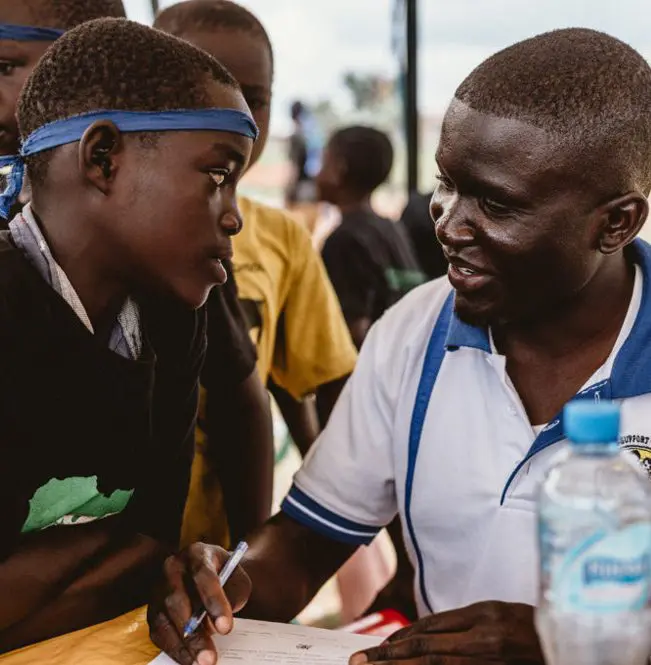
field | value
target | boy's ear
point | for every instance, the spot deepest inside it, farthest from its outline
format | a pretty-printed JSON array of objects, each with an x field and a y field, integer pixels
[
  {"x": 623, "y": 219},
  {"x": 99, "y": 150}
]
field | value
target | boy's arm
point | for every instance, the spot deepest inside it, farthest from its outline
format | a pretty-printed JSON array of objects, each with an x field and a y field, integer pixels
[
  {"x": 66, "y": 578},
  {"x": 238, "y": 421},
  {"x": 238, "y": 424}
]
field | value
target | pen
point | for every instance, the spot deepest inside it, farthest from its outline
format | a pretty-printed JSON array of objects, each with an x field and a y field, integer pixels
[{"x": 224, "y": 574}]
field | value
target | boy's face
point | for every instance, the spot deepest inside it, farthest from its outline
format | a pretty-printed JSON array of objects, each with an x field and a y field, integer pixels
[
  {"x": 247, "y": 58},
  {"x": 171, "y": 211},
  {"x": 514, "y": 216},
  {"x": 329, "y": 178},
  {"x": 17, "y": 59}
]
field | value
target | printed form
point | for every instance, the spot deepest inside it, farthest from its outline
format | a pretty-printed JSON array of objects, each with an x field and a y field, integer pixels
[{"x": 255, "y": 642}]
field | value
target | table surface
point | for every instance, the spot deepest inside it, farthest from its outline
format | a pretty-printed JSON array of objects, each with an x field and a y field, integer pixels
[{"x": 122, "y": 641}]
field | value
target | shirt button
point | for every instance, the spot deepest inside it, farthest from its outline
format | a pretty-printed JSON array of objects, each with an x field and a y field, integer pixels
[{"x": 513, "y": 411}]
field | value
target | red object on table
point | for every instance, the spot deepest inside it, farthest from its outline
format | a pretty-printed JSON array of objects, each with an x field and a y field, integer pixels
[{"x": 380, "y": 624}]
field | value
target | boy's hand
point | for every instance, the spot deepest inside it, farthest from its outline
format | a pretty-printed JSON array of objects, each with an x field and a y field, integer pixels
[
  {"x": 488, "y": 632},
  {"x": 191, "y": 576}
]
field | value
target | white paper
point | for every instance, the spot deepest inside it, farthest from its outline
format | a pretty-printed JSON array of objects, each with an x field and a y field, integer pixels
[{"x": 254, "y": 642}]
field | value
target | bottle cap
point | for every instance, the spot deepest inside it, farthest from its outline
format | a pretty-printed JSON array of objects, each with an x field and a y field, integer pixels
[{"x": 586, "y": 421}]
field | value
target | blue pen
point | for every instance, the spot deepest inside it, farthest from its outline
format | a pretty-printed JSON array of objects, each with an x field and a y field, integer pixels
[{"x": 224, "y": 574}]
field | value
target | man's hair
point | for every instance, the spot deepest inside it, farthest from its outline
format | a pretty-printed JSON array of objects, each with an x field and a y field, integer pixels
[
  {"x": 119, "y": 65},
  {"x": 590, "y": 90},
  {"x": 68, "y": 14},
  {"x": 206, "y": 15},
  {"x": 367, "y": 154}
]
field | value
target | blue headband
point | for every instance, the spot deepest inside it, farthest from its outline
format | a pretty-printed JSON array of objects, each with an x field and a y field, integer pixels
[
  {"x": 29, "y": 33},
  {"x": 70, "y": 130}
]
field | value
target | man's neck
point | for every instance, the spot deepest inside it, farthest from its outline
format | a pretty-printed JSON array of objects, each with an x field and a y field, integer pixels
[
  {"x": 596, "y": 313},
  {"x": 84, "y": 261}
]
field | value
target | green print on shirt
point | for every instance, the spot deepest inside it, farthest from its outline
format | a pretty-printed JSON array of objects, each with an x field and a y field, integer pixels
[{"x": 72, "y": 501}]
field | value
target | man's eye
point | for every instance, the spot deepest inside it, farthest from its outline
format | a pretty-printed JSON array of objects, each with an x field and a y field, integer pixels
[
  {"x": 445, "y": 182},
  {"x": 495, "y": 209},
  {"x": 7, "y": 68}
]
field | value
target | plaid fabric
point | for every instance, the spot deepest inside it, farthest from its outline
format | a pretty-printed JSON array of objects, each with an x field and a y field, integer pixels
[{"x": 126, "y": 336}]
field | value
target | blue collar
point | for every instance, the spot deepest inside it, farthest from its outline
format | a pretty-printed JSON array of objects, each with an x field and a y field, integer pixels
[
  {"x": 631, "y": 373},
  {"x": 28, "y": 33}
]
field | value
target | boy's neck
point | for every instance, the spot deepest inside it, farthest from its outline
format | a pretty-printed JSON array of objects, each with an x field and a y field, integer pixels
[
  {"x": 351, "y": 203},
  {"x": 84, "y": 261}
]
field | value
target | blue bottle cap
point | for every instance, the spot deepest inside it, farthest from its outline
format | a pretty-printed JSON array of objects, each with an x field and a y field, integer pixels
[{"x": 586, "y": 421}]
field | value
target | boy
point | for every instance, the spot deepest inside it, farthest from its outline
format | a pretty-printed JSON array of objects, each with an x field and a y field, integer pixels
[
  {"x": 239, "y": 405},
  {"x": 453, "y": 412},
  {"x": 302, "y": 341},
  {"x": 102, "y": 344},
  {"x": 368, "y": 258}
]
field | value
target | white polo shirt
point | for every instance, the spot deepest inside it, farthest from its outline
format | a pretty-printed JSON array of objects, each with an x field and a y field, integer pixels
[{"x": 460, "y": 463}]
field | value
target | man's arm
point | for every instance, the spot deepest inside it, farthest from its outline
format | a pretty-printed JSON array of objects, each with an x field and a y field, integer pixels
[{"x": 239, "y": 427}]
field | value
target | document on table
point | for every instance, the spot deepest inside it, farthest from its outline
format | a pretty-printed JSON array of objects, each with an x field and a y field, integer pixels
[{"x": 255, "y": 642}]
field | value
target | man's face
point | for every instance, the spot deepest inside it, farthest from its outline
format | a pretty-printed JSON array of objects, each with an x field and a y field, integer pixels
[
  {"x": 329, "y": 177},
  {"x": 513, "y": 218},
  {"x": 17, "y": 60},
  {"x": 248, "y": 59},
  {"x": 174, "y": 207}
]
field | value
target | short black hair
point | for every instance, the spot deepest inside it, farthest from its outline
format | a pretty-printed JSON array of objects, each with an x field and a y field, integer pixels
[
  {"x": 114, "y": 64},
  {"x": 68, "y": 14},
  {"x": 589, "y": 89},
  {"x": 205, "y": 15},
  {"x": 367, "y": 154}
]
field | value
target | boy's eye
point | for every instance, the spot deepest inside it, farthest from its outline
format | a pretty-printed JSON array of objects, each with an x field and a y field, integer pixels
[
  {"x": 7, "y": 67},
  {"x": 219, "y": 176},
  {"x": 257, "y": 104}
]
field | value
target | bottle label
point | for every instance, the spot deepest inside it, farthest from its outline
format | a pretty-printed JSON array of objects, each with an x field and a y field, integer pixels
[{"x": 608, "y": 572}]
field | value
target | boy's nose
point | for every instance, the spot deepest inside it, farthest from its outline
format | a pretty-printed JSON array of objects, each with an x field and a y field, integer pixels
[{"x": 231, "y": 222}]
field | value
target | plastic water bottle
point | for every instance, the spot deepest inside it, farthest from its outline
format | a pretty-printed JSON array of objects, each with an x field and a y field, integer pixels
[{"x": 595, "y": 547}]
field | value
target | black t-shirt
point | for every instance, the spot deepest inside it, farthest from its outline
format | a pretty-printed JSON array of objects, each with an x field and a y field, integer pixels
[
  {"x": 420, "y": 228},
  {"x": 74, "y": 414},
  {"x": 370, "y": 263}
]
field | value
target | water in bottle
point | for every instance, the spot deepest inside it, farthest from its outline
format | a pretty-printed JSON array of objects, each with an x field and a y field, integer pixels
[{"x": 595, "y": 547}]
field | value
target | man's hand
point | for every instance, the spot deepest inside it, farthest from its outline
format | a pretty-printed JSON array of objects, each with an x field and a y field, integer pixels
[
  {"x": 488, "y": 632},
  {"x": 191, "y": 576}
]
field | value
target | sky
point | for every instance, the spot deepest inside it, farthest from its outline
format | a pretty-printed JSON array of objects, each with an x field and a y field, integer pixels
[{"x": 317, "y": 41}]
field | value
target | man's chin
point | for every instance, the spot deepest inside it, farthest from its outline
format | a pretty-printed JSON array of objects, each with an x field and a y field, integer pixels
[{"x": 479, "y": 315}]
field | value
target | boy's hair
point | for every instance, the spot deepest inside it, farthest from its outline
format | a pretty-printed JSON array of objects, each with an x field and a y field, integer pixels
[
  {"x": 67, "y": 14},
  {"x": 367, "y": 154},
  {"x": 114, "y": 64},
  {"x": 206, "y": 15},
  {"x": 589, "y": 89}
]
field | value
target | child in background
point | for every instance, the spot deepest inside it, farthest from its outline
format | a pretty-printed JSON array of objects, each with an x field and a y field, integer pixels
[
  {"x": 369, "y": 258},
  {"x": 101, "y": 276},
  {"x": 303, "y": 344}
]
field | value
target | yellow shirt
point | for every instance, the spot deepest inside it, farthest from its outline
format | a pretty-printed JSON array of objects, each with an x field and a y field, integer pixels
[
  {"x": 296, "y": 321},
  {"x": 297, "y": 325}
]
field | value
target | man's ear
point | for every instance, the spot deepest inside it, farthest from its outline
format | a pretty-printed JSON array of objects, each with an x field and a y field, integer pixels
[
  {"x": 100, "y": 149},
  {"x": 623, "y": 219}
]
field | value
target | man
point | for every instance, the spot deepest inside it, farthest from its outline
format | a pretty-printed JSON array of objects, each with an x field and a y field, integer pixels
[{"x": 452, "y": 415}]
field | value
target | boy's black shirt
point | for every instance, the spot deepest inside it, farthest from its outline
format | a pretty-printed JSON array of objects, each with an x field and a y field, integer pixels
[
  {"x": 371, "y": 264},
  {"x": 70, "y": 407}
]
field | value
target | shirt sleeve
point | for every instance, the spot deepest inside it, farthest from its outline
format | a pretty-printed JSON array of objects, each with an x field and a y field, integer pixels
[
  {"x": 231, "y": 355},
  {"x": 352, "y": 274},
  {"x": 313, "y": 344},
  {"x": 345, "y": 488}
]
